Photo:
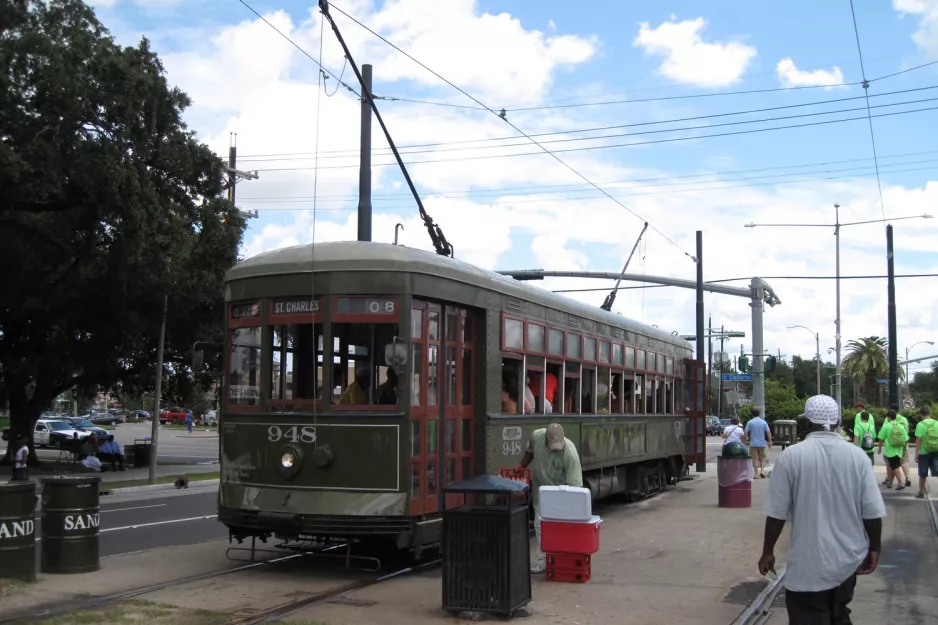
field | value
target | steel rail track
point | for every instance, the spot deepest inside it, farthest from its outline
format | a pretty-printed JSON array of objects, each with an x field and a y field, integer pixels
[
  {"x": 98, "y": 602},
  {"x": 291, "y": 607},
  {"x": 760, "y": 610}
]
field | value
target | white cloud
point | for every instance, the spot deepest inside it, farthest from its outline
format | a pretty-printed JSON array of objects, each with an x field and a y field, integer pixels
[
  {"x": 790, "y": 76},
  {"x": 690, "y": 59},
  {"x": 926, "y": 37}
]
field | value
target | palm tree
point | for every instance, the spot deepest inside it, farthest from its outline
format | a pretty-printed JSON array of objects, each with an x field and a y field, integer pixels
[{"x": 868, "y": 361}]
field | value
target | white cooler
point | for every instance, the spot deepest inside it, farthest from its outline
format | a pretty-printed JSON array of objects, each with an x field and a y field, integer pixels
[{"x": 565, "y": 503}]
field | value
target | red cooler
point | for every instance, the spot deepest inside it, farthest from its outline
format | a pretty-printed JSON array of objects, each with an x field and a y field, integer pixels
[{"x": 570, "y": 536}]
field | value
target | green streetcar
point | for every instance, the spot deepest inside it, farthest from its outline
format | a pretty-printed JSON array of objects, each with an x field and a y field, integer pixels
[{"x": 363, "y": 378}]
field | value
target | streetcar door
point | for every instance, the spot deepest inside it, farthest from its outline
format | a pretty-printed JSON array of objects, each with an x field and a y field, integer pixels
[
  {"x": 443, "y": 356},
  {"x": 695, "y": 411}
]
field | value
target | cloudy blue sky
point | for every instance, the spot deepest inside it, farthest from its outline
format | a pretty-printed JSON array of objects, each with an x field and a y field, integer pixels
[{"x": 694, "y": 115}]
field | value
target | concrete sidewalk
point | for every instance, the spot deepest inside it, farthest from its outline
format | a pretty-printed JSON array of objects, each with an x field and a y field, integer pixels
[{"x": 140, "y": 473}]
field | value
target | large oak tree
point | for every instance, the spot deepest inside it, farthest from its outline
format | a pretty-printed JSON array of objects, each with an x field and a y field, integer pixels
[{"x": 107, "y": 202}]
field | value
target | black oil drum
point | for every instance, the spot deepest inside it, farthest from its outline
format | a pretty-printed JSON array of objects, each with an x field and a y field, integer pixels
[
  {"x": 18, "y": 531},
  {"x": 71, "y": 516}
]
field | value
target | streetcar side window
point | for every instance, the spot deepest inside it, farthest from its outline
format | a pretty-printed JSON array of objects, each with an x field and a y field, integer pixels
[
  {"x": 603, "y": 389},
  {"x": 296, "y": 368},
  {"x": 362, "y": 373},
  {"x": 244, "y": 367},
  {"x": 511, "y": 386}
]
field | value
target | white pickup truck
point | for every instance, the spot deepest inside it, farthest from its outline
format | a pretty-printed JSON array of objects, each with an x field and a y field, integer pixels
[{"x": 50, "y": 431}]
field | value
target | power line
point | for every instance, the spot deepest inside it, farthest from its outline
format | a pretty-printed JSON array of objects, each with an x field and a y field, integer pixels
[
  {"x": 695, "y": 190},
  {"x": 557, "y": 158},
  {"x": 622, "y": 145},
  {"x": 351, "y": 152},
  {"x": 869, "y": 117},
  {"x": 719, "y": 185}
]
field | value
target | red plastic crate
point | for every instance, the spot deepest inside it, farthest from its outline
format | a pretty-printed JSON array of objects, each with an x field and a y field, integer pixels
[
  {"x": 576, "y": 576},
  {"x": 567, "y": 537},
  {"x": 569, "y": 561},
  {"x": 518, "y": 475}
]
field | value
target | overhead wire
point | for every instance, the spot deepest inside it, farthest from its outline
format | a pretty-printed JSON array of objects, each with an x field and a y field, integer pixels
[
  {"x": 350, "y": 153},
  {"x": 623, "y": 145},
  {"x": 504, "y": 117},
  {"x": 869, "y": 116}
]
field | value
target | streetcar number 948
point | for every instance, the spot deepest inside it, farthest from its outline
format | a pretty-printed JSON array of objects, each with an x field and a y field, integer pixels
[{"x": 295, "y": 434}]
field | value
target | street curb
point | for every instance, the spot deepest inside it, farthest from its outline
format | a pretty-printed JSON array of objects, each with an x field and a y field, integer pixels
[{"x": 153, "y": 487}]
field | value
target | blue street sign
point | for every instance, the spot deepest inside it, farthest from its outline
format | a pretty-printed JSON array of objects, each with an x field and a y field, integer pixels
[
  {"x": 737, "y": 377},
  {"x": 884, "y": 381}
]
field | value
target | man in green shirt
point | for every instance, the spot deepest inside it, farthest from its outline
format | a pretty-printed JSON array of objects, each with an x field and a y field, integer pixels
[
  {"x": 904, "y": 459},
  {"x": 894, "y": 437},
  {"x": 554, "y": 462},
  {"x": 864, "y": 434},
  {"x": 926, "y": 449}
]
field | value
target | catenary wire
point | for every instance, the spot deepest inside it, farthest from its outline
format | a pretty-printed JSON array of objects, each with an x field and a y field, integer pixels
[
  {"x": 869, "y": 116},
  {"x": 353, "y": 153},
  {"x": 554, "y": 156},
  {"x": 621, "y": 145}
]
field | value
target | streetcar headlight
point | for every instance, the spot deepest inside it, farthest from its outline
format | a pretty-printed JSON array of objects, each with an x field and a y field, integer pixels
[{"x": 287, "y": 460}]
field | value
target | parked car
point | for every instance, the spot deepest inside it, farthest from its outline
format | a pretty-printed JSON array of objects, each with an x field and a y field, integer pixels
[
  {"x": 210, "y": 418},
  {"x": 142, "y": 414},
  {"x": 103, "y": 418},
  {"x": 50, "y": 432},
  {"x": 713, "y": 426},
  {"x": 83, "y": 424}
]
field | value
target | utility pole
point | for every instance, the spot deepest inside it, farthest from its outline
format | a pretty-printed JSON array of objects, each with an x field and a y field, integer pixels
[
  {"x": 891, "y": 311},
  {"x": 364, "y": 171},
  {"x": 700, "y": 422},
  {"x": 235, "y": 174},
  {"x": 155, "y": 418},
  {"x": 758, "y": 351},
  {"x": 720, "y": 388},
  {"x": 709, "y": 361},
  {"x": 838, "y": 377}
]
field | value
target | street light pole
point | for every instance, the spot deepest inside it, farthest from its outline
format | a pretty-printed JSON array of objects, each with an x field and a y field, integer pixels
[
  {"x": 817, "y": 341},
  {"x": 908, "y": 388}
]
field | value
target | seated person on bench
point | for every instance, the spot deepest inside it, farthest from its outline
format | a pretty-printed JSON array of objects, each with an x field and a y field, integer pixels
[{"x": 111, "y": 452}]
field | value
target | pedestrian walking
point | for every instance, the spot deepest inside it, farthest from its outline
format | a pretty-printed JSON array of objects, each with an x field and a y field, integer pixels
[
  {"x": 554, "y": 462},
  {"x": 733, "y": 433},
  {"x": 864, "y": 434},
  {"x": 836, "y": 524},
  {"x": 189, "y": 422},
  {"x": 894, "y": 438},
  {"x": 20, "y": 458},
  {"x": 759, "y": 436},
  {"x": 904, "y": 458},
  {"x": 926, "y": 449}
]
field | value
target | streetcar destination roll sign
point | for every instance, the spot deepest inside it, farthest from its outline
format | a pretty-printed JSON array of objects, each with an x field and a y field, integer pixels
[{"x": 296, "y": 306}]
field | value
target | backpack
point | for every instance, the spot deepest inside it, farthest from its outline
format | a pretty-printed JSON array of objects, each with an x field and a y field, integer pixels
[
  {"x": 930, "y": 440},
  {"x": 896, "y": 435},
  {"x": 866, "y": 443}
]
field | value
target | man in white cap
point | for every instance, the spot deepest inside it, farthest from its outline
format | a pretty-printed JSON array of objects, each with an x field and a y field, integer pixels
[
  {"x": 555, "y": 463},
  {"x": 836, "y": 521}
]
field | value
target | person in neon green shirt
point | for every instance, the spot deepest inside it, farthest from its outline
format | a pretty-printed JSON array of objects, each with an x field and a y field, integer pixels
[
  {"x": 863, "y": 425},
  {"x": 926, "y": 449},
  {"x": 894, "y": 444},
  {"x": 905, "y": 451}
]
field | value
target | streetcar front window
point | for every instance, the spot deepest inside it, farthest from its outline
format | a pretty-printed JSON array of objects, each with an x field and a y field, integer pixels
[
  {"x": 367, "y": 359},
  {"x": 295, "y": 366},
  {"x": 244, "y": 367}
]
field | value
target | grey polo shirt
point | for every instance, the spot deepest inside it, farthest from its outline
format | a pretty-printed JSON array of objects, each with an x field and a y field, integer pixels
[{"x": 825, "y": 487}]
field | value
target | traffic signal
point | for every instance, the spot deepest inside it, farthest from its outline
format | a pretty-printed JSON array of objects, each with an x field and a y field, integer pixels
[
  {"x": 744, "y": 363},
  {"x": 770, "y": 364}
]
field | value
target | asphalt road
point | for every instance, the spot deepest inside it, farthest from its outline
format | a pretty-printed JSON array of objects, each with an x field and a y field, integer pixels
[
  {"x": 156, "y": 521},
  {"x": 172, "y": 446}
]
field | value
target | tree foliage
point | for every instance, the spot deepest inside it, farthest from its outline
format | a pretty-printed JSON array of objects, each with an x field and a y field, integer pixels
[
  {"x": 109, "y": 202},
  {"x": 868, "y": 361}
]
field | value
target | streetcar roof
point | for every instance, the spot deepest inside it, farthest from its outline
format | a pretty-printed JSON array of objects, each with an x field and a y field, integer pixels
[{"x": 370, "y": 256}]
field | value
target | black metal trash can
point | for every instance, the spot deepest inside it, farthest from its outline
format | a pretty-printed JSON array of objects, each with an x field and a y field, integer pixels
[
  {"x": 18, "y": 531},
  {"x": 70, "y": 519},
  {"x": 129, "y": 456},
  {"x": 486, "y": 547},
  {"x": 143, "y": 447}
]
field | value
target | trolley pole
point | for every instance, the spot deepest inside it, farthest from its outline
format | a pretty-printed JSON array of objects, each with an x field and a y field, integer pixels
[
  {"x": 364, "y": 171},
  {"x": 701, "y": 454},
  {"x": 155, "y": 418}
]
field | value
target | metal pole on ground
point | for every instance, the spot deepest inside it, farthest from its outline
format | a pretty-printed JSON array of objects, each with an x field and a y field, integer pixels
[
  {"x": 155, "y": 418},
  {"x": 701, "y": 457},
  {"x": 758, "y": 355},
  {"x": 838, "y": 377},
  {"x": 364, "y": 172},
  {"x": 891, "y": 311}
]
